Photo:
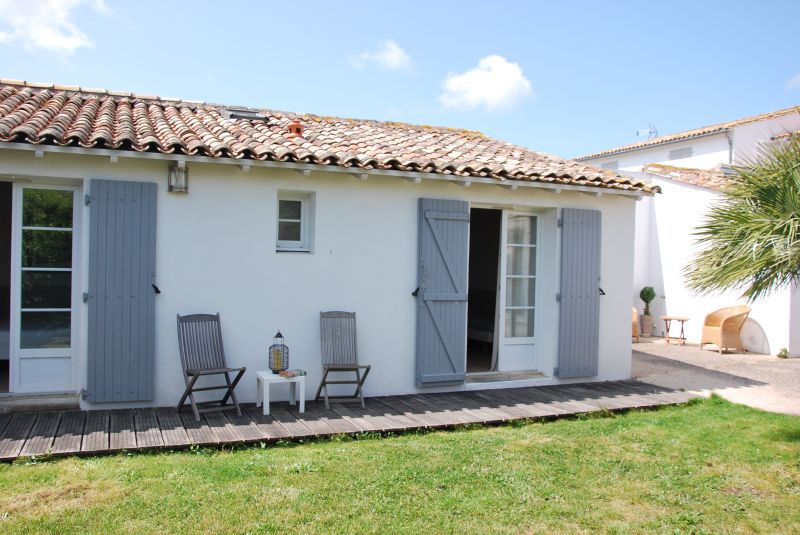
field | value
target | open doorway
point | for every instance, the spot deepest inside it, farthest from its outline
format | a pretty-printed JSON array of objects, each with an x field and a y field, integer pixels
[
  {"x": 484, "y": 261},
  {"x": 5, "y": 284}
]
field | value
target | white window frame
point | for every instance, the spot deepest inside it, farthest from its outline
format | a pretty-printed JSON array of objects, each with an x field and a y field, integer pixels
[{"x": 306, "y": 221}]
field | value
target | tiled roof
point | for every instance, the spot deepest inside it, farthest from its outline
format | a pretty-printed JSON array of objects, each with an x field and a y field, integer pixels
[
  {"x": 787, "y": 135},
  {"x": 715, "y": 179},
  {"x": 697, "y": 132},
  {"x": 91, "y": 118}
]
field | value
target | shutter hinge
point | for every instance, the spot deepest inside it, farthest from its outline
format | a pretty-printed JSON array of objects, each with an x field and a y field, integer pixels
[
  {"x": 85, "y": 297},
  {"x": 87, "y": 199},
  {"x": 84, "y": 394},
  {"x": 558, "y": 298},
  {"x": 560, "y": 222},
  {"x": 555, "y": 371}
]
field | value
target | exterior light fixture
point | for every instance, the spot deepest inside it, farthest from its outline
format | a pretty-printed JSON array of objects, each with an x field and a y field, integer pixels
[{"x": 178, "y": 178}]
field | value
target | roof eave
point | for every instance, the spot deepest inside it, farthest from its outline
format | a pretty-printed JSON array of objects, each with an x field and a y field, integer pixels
[
  {"x": 245, "y": 164},
  {"x": 621, "y": 150}
]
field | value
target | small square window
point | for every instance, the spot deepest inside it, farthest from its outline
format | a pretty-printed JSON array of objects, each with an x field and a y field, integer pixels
[{"x": 295, "y": 221}]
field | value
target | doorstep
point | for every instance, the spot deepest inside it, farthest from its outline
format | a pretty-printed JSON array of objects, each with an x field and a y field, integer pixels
[
  {"x": 38, "y": 402},
  {"x": 496, "y": 377}
]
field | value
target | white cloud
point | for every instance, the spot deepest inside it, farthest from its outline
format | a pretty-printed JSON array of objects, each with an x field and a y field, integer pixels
[
  {"x": 387, "y": 56},
  {"x": 46, "y": 24},
  {"x": 793, "y": 83},
  {"x": 495, "y": 84}
]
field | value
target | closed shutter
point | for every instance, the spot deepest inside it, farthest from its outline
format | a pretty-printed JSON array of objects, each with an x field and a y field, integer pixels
[
  {"x": 579, "y": 323},
  {"x": 442, "y": 293},
  {"x": 122, "y": 253}
]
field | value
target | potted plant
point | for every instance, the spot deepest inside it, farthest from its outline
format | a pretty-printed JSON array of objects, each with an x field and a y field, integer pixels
[{"x": 647, "y": 295}]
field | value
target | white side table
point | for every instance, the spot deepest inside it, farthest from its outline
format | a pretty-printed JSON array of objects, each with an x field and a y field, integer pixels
[{"x": 264, "y": 379}]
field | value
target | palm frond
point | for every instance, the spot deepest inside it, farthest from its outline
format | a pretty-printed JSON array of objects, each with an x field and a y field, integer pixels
[{"x": 750, "y": 240}]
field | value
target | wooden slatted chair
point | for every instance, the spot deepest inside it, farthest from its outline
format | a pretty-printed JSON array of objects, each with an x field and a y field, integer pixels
[
  {"x": 340, "y": 354},
  {"x": 202, "y": 354}
]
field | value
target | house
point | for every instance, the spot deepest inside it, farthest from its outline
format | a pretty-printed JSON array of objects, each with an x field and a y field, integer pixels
[
  {"x": 470, "y": 262},
  {"x": 690, "y": 167}
]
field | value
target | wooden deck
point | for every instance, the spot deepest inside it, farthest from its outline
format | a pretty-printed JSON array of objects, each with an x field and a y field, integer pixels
[{"x": 62, "y": 433}]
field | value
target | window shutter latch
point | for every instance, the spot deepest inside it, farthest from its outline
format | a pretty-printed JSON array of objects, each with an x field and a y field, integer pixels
[
  {"x": 415, "y": 293},
  {"x": 602, "y": 292}
]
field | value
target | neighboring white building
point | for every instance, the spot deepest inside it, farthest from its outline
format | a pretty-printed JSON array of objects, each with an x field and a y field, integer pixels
[
  {"x": 505, "y": 249},
  {"x": 690, "y": 168}
]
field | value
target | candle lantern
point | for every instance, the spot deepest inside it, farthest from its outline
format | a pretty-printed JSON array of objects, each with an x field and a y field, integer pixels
[{"x": 278, "y": 354}]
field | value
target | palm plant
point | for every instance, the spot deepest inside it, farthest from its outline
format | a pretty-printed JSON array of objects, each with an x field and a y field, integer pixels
[{"x": 750, "y": 240}]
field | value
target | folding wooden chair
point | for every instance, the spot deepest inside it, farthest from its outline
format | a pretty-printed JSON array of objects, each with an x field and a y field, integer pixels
[
  {"x": 340, "y": 354},
  {"x": 202, "y": 354}
]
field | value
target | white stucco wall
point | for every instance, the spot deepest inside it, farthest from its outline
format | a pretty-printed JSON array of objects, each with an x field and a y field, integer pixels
[
  {"x": 216, "y": 253},
  {"x": 707, "y": 153},
  {"x": 668, "y": 247},
  {"x": 664, "y": 225}
]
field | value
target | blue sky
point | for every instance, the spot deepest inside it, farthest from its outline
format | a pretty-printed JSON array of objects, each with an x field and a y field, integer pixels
[{"x": 562, "y": 77}]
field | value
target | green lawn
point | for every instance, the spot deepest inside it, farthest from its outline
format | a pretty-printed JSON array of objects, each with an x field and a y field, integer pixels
[{"x": 706, "y": 467}]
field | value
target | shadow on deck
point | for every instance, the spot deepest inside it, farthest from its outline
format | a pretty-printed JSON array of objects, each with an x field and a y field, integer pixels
[{"x": 75, "y": 432}]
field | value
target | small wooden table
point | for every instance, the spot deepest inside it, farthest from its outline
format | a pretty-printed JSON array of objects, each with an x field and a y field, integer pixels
[
  {"x": 681, "y": 340},
  {"x": 264, "y": 379}
]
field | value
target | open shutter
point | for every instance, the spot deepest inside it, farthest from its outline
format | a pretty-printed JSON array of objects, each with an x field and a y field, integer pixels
[
  {"x": 442, "y": 294},
  {"x": 122, "y": 254},
  {"x": 579, "y": 325}
]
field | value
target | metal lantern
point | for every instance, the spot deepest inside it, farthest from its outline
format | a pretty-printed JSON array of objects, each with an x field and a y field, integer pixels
[{"x": 278, "y": 354}]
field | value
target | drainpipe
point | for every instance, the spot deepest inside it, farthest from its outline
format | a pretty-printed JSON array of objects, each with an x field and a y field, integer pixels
[{"x": 729, "y": 137}]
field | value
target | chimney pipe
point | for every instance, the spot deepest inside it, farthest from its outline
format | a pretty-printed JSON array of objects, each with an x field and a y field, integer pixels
[{"x": 295, "y": 129}]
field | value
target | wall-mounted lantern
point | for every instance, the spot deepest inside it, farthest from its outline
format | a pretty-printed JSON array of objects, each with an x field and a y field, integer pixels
[{"x": 178, "y": 178}]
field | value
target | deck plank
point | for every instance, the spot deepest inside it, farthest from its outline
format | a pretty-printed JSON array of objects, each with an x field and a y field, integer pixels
[
  {"x": 89, "y": 432},
  {"x": 400, "y": 418},
  {"x": 70, "y": 433},
  {"x": 148, "y": 434},
  {"x": 122, "y": 433},
  {"x": 268, "y": 427},
  {"x": 227, "y": 432},
  {"x": 316, "y": 423},
  {"x": 172, "y": 430},
  {"x": 199, "y": 433},
  {"x": 295, "y": 427},
  {"x": 95, "y": 432},
  {"x": 14, "y": 435},
  {"x": 334, "y": 420},
  {"x": 43, "y": 432},
  {"x": 245, "y": 427},
  {"x": 416, "y": 410}
]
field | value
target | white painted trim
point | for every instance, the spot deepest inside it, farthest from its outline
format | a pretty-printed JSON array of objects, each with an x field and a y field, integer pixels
[{"x": 8, "y": 145}]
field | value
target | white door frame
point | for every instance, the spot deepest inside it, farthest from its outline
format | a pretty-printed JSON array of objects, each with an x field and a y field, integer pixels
[{"x": 16, "y": 353}]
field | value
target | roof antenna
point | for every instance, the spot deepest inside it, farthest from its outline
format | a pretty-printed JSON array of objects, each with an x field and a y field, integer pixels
[{"x": 651, "y": 131}]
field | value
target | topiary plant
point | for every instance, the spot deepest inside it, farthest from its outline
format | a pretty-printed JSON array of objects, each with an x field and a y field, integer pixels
[{"x": 647, "y": 295}]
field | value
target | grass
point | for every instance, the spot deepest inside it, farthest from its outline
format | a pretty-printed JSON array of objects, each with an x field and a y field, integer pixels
[{"x": 708, "y": 467}]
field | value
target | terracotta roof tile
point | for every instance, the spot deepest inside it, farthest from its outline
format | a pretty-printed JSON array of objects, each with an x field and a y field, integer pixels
[
  {"x": 687, "y": 134},
  {"x": 94, "y": 118},
  {"x": 715, "y": 179}
]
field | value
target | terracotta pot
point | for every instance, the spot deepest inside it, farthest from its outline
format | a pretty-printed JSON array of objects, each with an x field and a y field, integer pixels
[{"x": 647, "y": 326}]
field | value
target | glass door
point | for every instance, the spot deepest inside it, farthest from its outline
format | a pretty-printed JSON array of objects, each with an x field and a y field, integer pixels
[
  {"x": 520, "y": 238},
  {"x": 43, "y": 297}
]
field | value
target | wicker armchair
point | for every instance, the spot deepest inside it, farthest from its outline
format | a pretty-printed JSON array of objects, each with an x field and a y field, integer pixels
[
  {"x": 635, "y": 323},
  {"x": 723, "y": 327}
]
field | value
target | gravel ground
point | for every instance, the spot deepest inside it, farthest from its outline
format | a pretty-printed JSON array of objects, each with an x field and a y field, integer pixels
[{"x": 761, "y": 381}]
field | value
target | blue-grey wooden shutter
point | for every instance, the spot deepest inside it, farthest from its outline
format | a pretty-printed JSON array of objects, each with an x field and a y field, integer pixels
[
  {"x": 442, "y": 294},
  {"x": 579, "y": 324},
  {"x": 122, "y": 265}
]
